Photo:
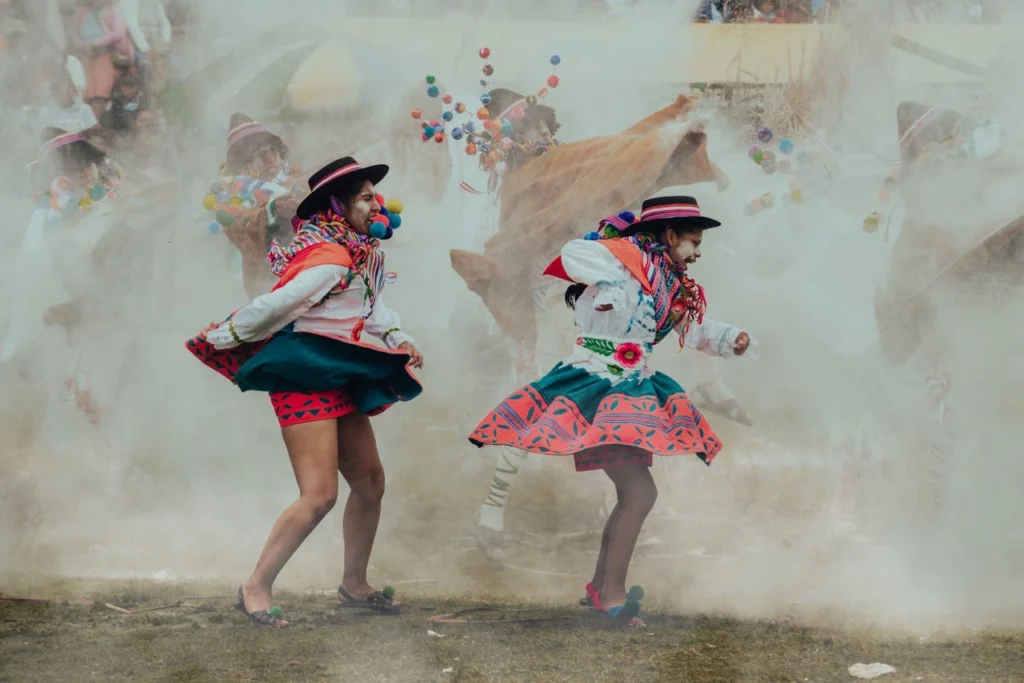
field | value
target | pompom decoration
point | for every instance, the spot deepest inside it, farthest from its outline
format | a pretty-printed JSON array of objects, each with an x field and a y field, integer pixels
[
  {"x": 394, "y": 206},
  {"x": 428, "y": 131},
  {"x": 552, "y": 81},
  {"x": 433, "y": 91},
  {"x": 754, "y": 149},
  {"x": 469, "y": 127},
  {"x": 786, "y": 146},
  {"x": 431, "y": 80},
  {"x": 488, "y": 70},
  {"x": 485, "y": 99},
  {"x": 627, "y": 216},
  {"x": 447, "y": 116},
  {"x": 765, "y": 135},
  {"x": 483, "y": 114},
  {"x": 209, "y": 201},
  {"x": 416, "y": 113},
  {"x": 555, "y": 60},
  {"x": 591, "y": 237},
  {"x": 460, "y": 108},
  {"x": 485, "y": 52},
  {"x": 470, "y": 149},
  {"x": 758, "y": 157},
  {"x": 439, "y": 137},
  {"x": 542, "y": 92},
  {"x": 378, "y": 230},
  {"x": 447, "y": 99},
  {"x": 396, "y": 222},
  {"x": 275, "y": 612},
  {"x": 213, "y": 227},
  {"x": 383, "y": 220},
  {"x": 457, "y": 133}
]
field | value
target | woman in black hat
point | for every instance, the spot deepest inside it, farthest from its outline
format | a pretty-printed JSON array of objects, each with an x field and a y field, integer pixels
[
  {"x": 301, "y": 343},
  {"x": 602, "y": 404}
]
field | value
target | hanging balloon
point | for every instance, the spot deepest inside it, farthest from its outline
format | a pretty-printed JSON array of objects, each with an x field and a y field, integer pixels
[
  {"x": 457, "y": 133},
  {"x": 469, "y": 127},
  {"x": 433, "y": 91},
  {"x": 552, "y": 81},
  {"x": 786, "y": 146},
  {"x": 471, "y": 149},
  {"x": 439, "y": 137},
  {"x": 488, "y": 70},
  {"x": 765, "y": 135},
  {"x": 416, "y": 113},
  {"x": 485, "y": 52},
  {"x": 447, "y": 99},
  {"x": 542, "y": 92},
  {"x": 447, "y": 116},
  {"x": 483, "y": 114},
  {"x": 555, "y": 60},
  {"x": 485, "y": 99},
  {"x": 430, "y": 80}
]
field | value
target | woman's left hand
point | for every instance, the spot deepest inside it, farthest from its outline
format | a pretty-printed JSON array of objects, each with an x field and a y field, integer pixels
[
  {"x": 416, "y": 359},
  {"x": 742, "y": 344}
]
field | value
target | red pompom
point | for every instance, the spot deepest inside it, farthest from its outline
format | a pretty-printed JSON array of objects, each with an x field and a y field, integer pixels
[{"x": 552, "y": 81}]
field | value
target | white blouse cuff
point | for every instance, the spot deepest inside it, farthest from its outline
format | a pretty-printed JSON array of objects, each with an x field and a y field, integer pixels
[
  {"x": 221, "y": 337},
  {"x": 396, "y": 338}
]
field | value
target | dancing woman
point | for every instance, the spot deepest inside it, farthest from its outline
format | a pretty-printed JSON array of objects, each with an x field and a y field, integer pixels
[
  {"x": 301, "y": 343},
  {"x": 602, "y": 404}
]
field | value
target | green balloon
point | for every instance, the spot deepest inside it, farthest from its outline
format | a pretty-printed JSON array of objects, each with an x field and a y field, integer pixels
[
  {"x": 225, "y": 218},
  {"x": 758, "y": 156},
  {"x": 430, "y": 80}
]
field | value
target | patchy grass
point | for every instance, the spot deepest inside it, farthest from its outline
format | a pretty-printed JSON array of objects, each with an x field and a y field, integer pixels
[{"x": 205, "y": 639}]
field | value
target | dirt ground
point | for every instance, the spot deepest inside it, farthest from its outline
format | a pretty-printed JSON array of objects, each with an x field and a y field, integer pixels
[{"x": 74, "y": 636}]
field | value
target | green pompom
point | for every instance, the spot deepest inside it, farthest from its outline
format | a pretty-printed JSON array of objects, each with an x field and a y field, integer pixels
[
  {"x": 389, "y": 592},
  {"x": 275, "y": 612},
  {"x": 635, "y": 593},
  {"x": 225, "y": 218}
]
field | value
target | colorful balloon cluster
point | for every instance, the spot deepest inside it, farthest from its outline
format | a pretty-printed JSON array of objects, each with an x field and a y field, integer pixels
[
  {"x": 766, "y": 158},
  {"x": 389, "y": 219},
  {"x": 496, "y": 138}
]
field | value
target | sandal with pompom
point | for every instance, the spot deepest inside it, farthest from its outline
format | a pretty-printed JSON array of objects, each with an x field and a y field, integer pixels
[
  {"x": 382, "y": 602},
  {"x": 628, "y": 614},
  {"x": 268, "y": 618}
]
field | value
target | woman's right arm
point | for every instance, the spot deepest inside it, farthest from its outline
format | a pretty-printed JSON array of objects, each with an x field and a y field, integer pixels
[{"x": 271, "y": 312}]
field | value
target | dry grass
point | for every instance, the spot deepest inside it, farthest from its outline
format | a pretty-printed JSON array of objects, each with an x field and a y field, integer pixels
[{"x": 206, "y": 640}]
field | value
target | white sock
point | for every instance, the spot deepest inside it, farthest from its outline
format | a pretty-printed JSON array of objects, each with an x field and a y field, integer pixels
[{"x": 492, "y": 512}]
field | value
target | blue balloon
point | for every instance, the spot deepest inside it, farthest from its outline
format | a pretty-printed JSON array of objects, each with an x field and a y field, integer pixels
[
  {"x": 213, "y": 227},
  {"x": 433, "y": 91},
  {"x": 506, "y": 127},
  {"x": 384, "y": 211},
  {"x": 447, "y": 116},
  {"x": 485, "y": 99},
  {"x": 591, "y": 236},
  {"x": 429, "y": 131},
  {"x": 457, "y": 133},
  {"x": 388, "y": 233},
  {"x": 556, "y": 60},
  {"x": 785, "y": 146},
  {"x": 396, "y": 221},
  {"x": 469, "y": 127},
  {"x": 378, "y": 230}
]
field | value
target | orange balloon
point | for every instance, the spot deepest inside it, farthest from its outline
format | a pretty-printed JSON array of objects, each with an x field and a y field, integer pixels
[
  {"x": 483, "y": 114},
  {"x": 471, "y": 149}
]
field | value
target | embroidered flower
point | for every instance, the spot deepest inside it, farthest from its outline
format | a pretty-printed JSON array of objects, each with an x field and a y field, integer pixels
[
  {"x": 679, "y": 307},
  {"x": 628, "y": 355}
]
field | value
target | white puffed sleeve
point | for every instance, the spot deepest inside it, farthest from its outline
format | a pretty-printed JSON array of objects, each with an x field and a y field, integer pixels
[
  {"x": 271, "y": 312},
  {"x": 712, "y": 337},
  {"x": 384, "y": 324},
  {"x": 589, "y": 262}
]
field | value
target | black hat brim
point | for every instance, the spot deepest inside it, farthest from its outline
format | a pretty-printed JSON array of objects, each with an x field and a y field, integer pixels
[
  {"x": 321, "y": 198},
  {"x": 658, "y": 224}
]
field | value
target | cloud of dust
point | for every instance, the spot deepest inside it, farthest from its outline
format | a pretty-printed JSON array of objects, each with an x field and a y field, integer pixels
[{"x": 185, "y": 476}]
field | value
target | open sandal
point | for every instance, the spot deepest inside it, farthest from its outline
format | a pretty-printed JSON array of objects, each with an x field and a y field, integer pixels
[
  {"x": 592, "y": 599},
  {"x": 382, "y": 602},
  {"x": 269, "y": 618},
  {"x": 628, "y": 614}
]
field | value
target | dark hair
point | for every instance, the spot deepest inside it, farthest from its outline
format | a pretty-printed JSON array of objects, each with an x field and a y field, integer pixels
[
  {"x": 575, "y": 291},
  {"x": 345, "y": 196}
]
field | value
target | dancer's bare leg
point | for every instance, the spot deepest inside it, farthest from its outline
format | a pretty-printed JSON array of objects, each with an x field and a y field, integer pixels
[
  {"x": 637, "y": 497},
  {"x": 602, "y": 555},
  {"x": 313, "y": 450},
  {"x": 361, "y": 467}
]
